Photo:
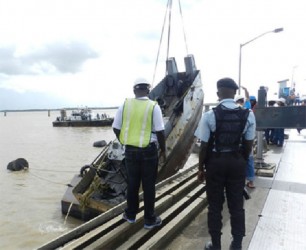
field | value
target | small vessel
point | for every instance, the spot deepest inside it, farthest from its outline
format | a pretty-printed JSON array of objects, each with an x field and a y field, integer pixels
[
  {"x": 102, "y": 184},
  {"x": 82, "y": 118}
]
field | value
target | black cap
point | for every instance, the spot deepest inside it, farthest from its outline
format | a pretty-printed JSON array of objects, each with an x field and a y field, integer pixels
[{"x": 227, "y": 83}]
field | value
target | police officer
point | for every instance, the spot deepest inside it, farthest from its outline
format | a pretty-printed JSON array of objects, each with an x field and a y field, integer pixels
[
  {"x": 226, "y": 133},
  {"x": 138, "y": 125}
]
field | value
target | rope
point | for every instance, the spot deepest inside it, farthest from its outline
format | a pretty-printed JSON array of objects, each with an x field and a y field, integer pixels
[
  {"x": 96, "y": 185},
  {"x": 168, "y": 13},
  {"x": 160, "y": 41},
  {"x": 54, "y": 182},
  {"x": 101, "y": 165},
  {"x": 183, "y": 26},
  {"x": 49, "y": 170},
  {"x": 84, "y": 198},
  {"x": 169, "y": 28}
]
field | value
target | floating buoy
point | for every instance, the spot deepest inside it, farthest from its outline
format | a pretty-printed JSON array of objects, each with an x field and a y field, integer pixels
[
  {"x": 18, "y": 164},
  {"x": 99, "y": 144}
]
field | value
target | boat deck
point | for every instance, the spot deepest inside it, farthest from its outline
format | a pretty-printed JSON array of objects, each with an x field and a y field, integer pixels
[{"x": 275, "y": 214}]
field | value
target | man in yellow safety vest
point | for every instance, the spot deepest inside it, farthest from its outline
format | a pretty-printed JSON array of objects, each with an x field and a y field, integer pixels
[{"x": 139, "y": 126}]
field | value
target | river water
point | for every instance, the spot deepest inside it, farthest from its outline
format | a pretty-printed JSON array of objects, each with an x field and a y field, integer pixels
[{"x": 30, "y": 210}]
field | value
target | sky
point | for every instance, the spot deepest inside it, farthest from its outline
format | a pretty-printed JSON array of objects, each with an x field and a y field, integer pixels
[{"x": 77, "y": 53}]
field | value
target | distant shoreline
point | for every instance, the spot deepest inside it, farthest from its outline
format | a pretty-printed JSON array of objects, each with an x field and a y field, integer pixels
[{"x": 58, "y": 109}]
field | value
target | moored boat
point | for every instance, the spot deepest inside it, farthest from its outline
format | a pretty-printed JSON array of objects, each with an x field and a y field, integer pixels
[{"x": 82, "y": 118}]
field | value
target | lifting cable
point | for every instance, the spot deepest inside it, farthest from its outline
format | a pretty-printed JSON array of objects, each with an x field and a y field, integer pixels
[
  {"x": 160, "y": 41},
  {"x": 168, "y": 14},
  {"x": 169, "y": 28},
  {"x": 185, "y": 39}
]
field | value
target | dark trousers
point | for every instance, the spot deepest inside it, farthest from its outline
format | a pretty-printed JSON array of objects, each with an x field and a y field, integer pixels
[
  {"x": 279, "y": 136},
  {"x": 225, "y": 172},
  {"x": 269, "y": 135},
  {"x": 141, "y": 164}
]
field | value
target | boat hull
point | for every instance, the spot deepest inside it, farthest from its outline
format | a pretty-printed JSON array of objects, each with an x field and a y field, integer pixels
[
  {"x": 84, "y": 123},
  {"x": 181, "y": 139}
]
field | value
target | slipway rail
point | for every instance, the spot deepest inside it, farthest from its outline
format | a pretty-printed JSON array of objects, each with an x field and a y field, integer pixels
[{"x": 178, "y": 200}]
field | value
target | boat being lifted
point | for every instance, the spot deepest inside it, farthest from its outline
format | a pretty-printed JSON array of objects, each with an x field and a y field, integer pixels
[
  {"x": 82, "y": 118},
  {"x": 103, "y": 184}
]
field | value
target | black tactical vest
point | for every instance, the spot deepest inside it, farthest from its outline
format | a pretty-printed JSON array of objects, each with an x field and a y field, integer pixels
[{"x": 230, "y": 124}]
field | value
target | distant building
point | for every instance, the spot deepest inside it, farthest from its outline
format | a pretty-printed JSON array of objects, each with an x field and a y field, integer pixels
[{"x": 283, "y": 90}]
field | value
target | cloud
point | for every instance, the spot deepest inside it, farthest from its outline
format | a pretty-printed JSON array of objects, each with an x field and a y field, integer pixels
[
  {"x": 10, "y": 99},
  {"x": 57, "y": 57},
  {"x": 89, "y": 53}
]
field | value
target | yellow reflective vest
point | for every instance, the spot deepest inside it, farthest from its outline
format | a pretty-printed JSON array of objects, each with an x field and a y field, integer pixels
[{"x": 137, "y": 118}]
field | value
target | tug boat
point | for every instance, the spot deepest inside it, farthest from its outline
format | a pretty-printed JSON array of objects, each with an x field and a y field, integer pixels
[
  {"x": 102, "y": 184},
  {"x": 82, "y": 118}
]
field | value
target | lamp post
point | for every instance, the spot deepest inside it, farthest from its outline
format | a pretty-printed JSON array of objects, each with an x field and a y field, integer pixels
[
  {"x": 243, "y": 44},
  {"x": 292, "y": 78}
]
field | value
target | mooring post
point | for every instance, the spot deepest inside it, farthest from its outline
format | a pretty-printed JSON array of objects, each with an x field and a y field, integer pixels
[
  {"x": 260, "y": 104},
  {"x": 259, "y": 161}
]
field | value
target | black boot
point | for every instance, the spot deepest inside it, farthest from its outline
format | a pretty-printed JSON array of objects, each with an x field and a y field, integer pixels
[
  {"x": 210, "y": 246},
  {"x": 235, "y": 248},
  {"x": 236, "y": 243}
]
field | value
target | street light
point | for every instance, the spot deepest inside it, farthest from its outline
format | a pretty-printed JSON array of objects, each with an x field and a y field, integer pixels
[
  {"x": 292, "y": 78},
  {"x": 243, "y": 44}
]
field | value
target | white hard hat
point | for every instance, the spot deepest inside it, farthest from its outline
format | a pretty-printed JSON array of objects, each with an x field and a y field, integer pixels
[
  {"x": 141, "y": 80},
  {"x": 238, "y": 97}
]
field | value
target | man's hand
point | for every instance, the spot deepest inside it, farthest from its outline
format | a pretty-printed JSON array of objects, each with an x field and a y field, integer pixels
[
  {"x": 246, "y": 93},
  {"x": 201, "y": 175}
]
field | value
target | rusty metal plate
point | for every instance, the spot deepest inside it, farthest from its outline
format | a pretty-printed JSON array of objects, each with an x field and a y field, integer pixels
[{"x": 280, "y": 117}]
